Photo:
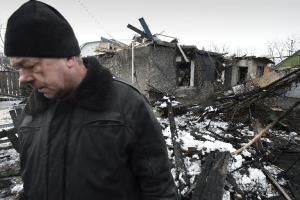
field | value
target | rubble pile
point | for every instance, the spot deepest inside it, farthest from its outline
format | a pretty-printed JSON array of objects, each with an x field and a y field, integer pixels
[
  {"x": 10, "y": 180},
  {"x": 243, "y": 100},
  {"x": 238, "y": 148},
  {"x": 247, "y": 175}
]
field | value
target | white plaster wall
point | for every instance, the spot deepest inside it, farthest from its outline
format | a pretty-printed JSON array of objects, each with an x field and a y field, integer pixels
[
  {"x": 252, "y": 69},
  {"x": 89, "y": 49},
  {"x": 235, "y": 75}
]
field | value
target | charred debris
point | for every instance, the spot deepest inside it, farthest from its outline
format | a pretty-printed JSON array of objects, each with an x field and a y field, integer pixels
[
  {"x": 223, "y": 143},
  {"x": 265, "y": 137},
  {"x": 238, "y": 145}
]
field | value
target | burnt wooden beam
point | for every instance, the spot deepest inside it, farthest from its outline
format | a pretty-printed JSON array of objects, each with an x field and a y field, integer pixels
[
  {"x": 211, "y": 181},
  {"x": 4, "y": 133},
  {"x": 3, "y": 157},
  {"x": 146, "y": 28},
  {"x": 137, "y": 31},
  {"x": 241, "y": 101},
  {"x": 10, "y": 134},
  {"x": 13, "y": 115},
  {"x": 182, "y": 53},
  {"x": 181, "y": 170},
  {"x": 276, "y": 184}
]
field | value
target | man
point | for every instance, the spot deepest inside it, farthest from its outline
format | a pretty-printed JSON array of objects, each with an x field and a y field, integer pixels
[{"x": 84, "y": 135}]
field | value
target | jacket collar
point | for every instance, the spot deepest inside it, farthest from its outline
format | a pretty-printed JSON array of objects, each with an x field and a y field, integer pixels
[{"x": 93, "y": 92}]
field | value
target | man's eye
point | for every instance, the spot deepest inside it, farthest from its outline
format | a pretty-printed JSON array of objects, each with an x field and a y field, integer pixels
[
  {"x": 28, "y": 67},
  {"x": 16, "y": 67}
]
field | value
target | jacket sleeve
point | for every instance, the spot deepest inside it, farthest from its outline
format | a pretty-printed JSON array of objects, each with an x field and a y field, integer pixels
[{"x": 150, "y": 161}]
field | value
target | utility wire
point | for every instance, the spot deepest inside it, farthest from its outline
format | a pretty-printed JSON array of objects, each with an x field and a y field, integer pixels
[{"x": 93, "y": 17}]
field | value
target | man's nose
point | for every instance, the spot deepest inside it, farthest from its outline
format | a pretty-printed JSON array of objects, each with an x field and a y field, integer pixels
[{"x": 25, "y": 76}]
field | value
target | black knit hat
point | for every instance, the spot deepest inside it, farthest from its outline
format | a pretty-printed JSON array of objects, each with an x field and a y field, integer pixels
[{"x": 39, "y": 30}]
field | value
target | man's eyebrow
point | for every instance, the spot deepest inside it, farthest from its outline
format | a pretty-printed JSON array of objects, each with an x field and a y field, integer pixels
[
  {"x": 18, "y": 64},
  {"x": 24, "y": 63}
]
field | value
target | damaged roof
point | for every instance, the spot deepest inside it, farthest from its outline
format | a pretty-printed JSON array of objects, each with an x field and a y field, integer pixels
[
  {"x": 261, "y": 59},
  {"x": 292, "y": 61}
]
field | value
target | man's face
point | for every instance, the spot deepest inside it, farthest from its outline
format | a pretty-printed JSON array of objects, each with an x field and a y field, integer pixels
[{"x": 48, "y": 75}]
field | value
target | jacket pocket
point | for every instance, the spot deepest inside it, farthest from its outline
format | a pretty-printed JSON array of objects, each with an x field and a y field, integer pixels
[{"x": 105, "y": 140}]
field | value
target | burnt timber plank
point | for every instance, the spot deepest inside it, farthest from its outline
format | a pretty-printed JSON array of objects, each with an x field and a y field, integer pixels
[
  {"x": 181, "y": 169},
  {"x": 4, "y": 133},
  {"x": 12, "y": 137},
  {"x": 137, "y": 31},
  {"x": 211, "y": 181},
  {"x": 146, "y": 28}
]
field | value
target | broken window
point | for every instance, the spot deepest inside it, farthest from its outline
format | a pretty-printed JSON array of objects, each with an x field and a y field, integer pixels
[
  {"x": 184, "y": 72},
  {"x": 243, "y": 71},
  {"x": 260, "y": 71}
]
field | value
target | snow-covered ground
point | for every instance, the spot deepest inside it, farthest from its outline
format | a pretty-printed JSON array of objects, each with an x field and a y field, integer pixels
[
  {"x": 9, "y": 158},
  {"x": 250, "y": 180}
]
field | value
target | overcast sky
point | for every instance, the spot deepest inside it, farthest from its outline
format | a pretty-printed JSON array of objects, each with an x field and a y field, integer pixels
[{"x": 239, "y": 24}]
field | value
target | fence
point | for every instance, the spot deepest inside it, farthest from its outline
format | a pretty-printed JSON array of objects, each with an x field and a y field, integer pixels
[
  {"x": 9, "y": 83},
  {"x": 9, "y": 131}
]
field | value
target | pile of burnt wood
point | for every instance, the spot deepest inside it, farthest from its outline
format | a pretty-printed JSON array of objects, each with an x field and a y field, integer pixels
[
  {"x": 214, "y": 176},
  {"x": 246, "y": 109}
]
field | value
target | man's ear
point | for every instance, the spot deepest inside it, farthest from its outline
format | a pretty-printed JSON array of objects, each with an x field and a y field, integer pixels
[{"x": 71, "y": 61}]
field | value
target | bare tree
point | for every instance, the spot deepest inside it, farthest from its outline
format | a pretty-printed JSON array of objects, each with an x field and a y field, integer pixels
[
  {"x": 221, "y": 48},
  {"x": 242, "y": 52},
  {"x": 290, "y": 45},
  {"x": 279, "y": 50}
]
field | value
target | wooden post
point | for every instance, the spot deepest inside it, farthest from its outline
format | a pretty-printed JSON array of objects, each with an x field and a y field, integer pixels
[
  {"x": 9, "y": 83},
  {"x": 5, "y": 83},
  {"x": 12, "y": 137},
  {"x": 211, "y": 181},
  {"x": 182, "y": 53},
  {"x": 15, "y": 83},
  {"x": 275, "y": 183},
  {"x": 1, "y": 82},
  {"x": 10, "y": 134},
  {"x": 179, "y": 162},
  {"x": 192, "y": 74}
]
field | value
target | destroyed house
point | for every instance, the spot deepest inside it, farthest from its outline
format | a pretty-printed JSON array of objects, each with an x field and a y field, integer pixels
[
  {"x": 161, "y": 68},
  {"x": 240, "y": 70},
  {"x": 104, "y": 46}
]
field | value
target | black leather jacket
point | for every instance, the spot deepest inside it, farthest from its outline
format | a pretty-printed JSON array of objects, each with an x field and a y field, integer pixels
[{"x": 102, "y": 142}]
